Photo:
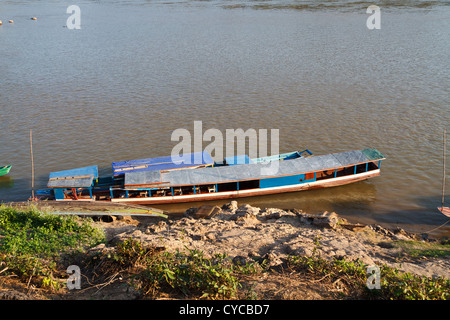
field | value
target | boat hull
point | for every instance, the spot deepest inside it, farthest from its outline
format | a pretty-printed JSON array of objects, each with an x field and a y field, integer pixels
[
  {"x": 334, "y": 182},
  {"x": 4, "y": 170}
]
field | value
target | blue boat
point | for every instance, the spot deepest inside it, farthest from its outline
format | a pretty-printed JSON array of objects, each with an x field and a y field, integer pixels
[{"x": 198, "y": 178}]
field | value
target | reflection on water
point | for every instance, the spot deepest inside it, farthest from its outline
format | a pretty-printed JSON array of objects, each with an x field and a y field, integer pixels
[
  {"x": 6, "y": 182},
  {"x": 137, "y": 70}
]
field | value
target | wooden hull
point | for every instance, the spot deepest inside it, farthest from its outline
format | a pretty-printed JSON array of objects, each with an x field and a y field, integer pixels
[
  {"x": 333, "y": 182},
  {"x": 445, "y": 211}
]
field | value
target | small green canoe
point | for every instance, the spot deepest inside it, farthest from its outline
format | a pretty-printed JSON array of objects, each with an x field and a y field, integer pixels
[{"x": 4, "y": 170}]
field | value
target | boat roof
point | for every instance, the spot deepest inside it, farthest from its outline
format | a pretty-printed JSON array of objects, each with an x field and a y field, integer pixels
[
  {"x": 76, "y": 178},
  {"x": 252, "y": 171},
  {"x": 162, "y": 163},
  {"x": 235, "y": 160}
]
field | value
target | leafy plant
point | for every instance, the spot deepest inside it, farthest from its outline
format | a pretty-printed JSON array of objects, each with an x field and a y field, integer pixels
[
  {"x": 191, "y": 273},
  {"x": 394, "y": 284},
  {"x": 32, "y": 242}
]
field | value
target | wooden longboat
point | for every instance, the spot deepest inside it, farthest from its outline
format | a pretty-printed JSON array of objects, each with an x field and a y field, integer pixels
[{"x": 154, "y": 181}]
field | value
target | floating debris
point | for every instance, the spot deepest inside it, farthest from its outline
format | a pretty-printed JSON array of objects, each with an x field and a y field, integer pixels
[
  {"x": 11, "y": 21},
  {"x": 33, "y": 18},
  {"x": 1, "y": 22}
]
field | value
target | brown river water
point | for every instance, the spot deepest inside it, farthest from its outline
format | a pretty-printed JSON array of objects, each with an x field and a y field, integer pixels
[{"x": 118, "y": 87}]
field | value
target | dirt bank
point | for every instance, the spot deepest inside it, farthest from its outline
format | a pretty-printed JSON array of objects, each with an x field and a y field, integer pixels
[{"x": 245, "y": 232}]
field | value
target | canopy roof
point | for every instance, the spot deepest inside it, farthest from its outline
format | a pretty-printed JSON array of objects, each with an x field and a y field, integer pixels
[
  {"x": 80, "y": 177},
  {"x": 162, "y": 163},
  {"x": 252, "y": 171}
]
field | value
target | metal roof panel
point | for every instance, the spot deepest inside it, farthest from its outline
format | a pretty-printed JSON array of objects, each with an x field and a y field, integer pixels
[
  {"x": 75, "y": 178},
  {"x": 350, "y": 158},
  {"x": 162, "y": 163}
]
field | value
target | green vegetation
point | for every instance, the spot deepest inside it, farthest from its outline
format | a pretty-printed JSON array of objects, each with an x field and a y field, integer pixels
[
  {"x": 189, "y": 273},
  {"x": 394, "y": 285},
  {"x": 32, "y": 243},
  {"x": 193, "y": 274},
  {"x": 418, "y": 249}
]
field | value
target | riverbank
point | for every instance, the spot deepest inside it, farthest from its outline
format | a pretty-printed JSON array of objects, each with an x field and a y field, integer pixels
[
  {"x": 246, "y": 231},
  {"x": 263, "y": 253}
]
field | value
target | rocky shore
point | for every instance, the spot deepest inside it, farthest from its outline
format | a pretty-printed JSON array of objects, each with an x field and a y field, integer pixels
[{"x": 246, "y": 233}]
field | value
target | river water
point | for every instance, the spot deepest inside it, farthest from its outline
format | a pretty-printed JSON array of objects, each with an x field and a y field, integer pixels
[{"x": 118, "y": 87}]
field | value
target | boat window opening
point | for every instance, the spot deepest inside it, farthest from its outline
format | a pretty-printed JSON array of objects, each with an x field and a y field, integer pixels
[
  {"x": 83, "y": 193},
  {"x": 360, "y": 168},
  {"x": 67, "y": 194},
  {"x": 159, "y": 193},
  {"x": 177, "y": 191},
  {"x": 77, "y": 193},
  {"x": 250, "y": 184},
  {"x": 102, "y": 195},
  {"x": 372, "y": 166},
  {"x": 187, "y": 190},
  {"x": 228, "y": 186},
  {"x": 326, "y": 174},
  {"x": 207, "y": 188},
  {"x": 137, "y": 194},
  {"x": 117, "y": 194},
  {"x": 346, "y": 171}
]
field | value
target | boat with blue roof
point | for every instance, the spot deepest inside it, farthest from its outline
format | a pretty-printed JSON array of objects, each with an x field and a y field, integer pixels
[{"x": 197, "y": 177}]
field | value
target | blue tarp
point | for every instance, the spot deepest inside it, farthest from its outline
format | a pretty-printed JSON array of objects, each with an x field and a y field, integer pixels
[
  {"x": 241, "y": 159},
  {"x": 80, "y": 177},
  {"x": 162, "y": 163}
]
